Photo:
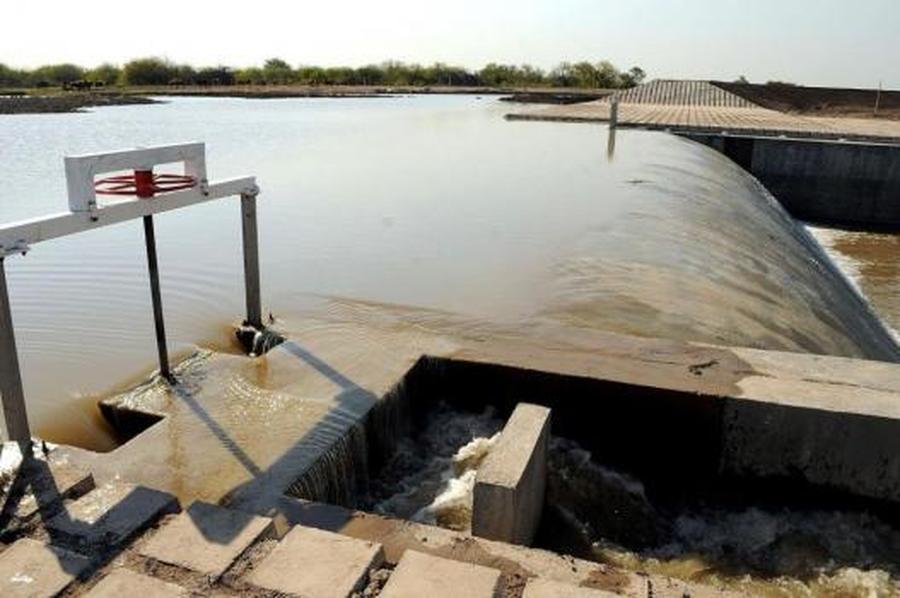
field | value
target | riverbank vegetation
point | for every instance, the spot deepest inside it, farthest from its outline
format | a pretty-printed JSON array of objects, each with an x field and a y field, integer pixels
[{"x": 275, "y": 71}]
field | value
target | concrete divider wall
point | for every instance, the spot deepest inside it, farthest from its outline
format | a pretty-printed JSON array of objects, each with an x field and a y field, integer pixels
[
  {"x": 851, "y": 452},
  {"x": 796, "y": 440},
  {"x": 509, "y": 489},
  {"x": 828, "y": 182},
  {"x": 667, "y": 437}
]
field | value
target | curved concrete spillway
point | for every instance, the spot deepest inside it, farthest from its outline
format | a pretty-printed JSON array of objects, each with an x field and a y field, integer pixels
[{"x": 696, "y": 249}]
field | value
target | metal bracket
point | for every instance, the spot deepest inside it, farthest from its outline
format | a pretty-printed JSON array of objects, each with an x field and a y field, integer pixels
[
  {"x": 251, "y": 191},
  {"x": 19, "y": 247}
]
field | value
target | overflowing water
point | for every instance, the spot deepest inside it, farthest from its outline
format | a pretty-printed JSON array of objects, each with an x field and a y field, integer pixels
[
  {"x": 872, "y": 261},
  {"x": 431, "y": 476},
  {"x": 599, "y": 513},
  {"x": 429, "y": 202}
]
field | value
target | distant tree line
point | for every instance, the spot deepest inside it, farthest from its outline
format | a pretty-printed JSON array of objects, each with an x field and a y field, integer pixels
[{"x": 275, "y": 71}]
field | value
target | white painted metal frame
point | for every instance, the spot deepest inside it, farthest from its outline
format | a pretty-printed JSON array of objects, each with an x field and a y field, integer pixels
[
  {"x": 82, "y": 170},
  {"x": 18, "y": 237},
  {"x": 85, "y": 214}
]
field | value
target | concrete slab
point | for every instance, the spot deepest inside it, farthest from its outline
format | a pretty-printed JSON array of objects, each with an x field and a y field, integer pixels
[
  {"x": 205, "y": 538},
  {"x": 123, "y": 582},
  {"x": 112, "y": 514},
  {"x": 30, "y": 568},
  {"x": 421, "y": 575},
  {"x": 398, "y": 536},
  {"x": 509, "y": 487},
  {"x": 46, "y": 484},
  {"x": 547, "y": 588},
  {"x": 317, "y": 564}
]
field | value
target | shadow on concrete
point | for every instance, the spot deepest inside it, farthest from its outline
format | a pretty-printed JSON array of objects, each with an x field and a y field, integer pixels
[
  {"x": 80, "y": 537},
  {"x": 186, "y": 397},
  {"x": 258, "y": 495}
]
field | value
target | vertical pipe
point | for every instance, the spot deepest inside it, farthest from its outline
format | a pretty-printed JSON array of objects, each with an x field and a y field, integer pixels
[
  {"x": 11, "y": 391},
  {"x": 877, "y": 99},
  {"x": 153, "y": 267},
  {"x": 251, "y": 260},
  {"x": 613, "y": 113},
  {"x": 613, "y": 123}
]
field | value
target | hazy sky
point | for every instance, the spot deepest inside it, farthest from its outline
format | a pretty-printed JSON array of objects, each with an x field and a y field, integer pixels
[{"x": 839, "y": 42}]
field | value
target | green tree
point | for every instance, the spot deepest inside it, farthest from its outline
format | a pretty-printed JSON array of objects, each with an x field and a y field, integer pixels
[
  {"x": 634, "y": 76},
  {"x": 149, "y": 71},
  {"x": 277, "y": 72},
  {"x": 250, "y": 76},
  {"x": 105, "y": 74},
  {"x": 57, "y": 74},
  {"x": 311, "y": 75},
  {"x": 608, "y": 76},
  {"x": 214, "y": 75},
  {"x": 563, "y": 75},
  {"x": 370, "y": 75},
  {"x": 11, "y": 77},
  {"x": 585, "y": 75}
]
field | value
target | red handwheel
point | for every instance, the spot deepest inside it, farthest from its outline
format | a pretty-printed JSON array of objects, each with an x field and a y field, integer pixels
[{"x": 143, "y": 184}]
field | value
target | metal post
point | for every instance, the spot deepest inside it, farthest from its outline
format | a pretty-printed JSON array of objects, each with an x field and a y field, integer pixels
[
  {"x": 877, "y": 99},
  {"x": 11, "y": 391},
  {"x": 251, "y": 260},
  {"x": 153, "y": 267},
  {"x": 613, "y": 124}
]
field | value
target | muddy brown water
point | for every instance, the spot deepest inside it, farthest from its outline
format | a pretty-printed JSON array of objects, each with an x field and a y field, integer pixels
[
  {"x": 429, "y": 202},
  {"x": 872, "y": 261}
]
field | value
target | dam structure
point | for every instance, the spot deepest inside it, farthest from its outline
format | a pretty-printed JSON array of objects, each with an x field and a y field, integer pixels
[
  {"x": 840, "y": 171},
  {"x": 661, "y": 346}
]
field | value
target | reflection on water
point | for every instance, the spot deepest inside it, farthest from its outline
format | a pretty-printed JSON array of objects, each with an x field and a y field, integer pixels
[
  {"x": 429, "y": 202},
  {"x": 872, "y": 261}
]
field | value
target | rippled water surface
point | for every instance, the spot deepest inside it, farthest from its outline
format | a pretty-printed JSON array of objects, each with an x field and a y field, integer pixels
[
  {"x": 872, "y": 261},
  {"x": 432, "y": 202}
]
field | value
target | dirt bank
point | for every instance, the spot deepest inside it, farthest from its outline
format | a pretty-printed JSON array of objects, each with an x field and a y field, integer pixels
[
  {"x": 341, "y": 91},
  {"x": 819, "y": 101},
  {"x": 41, "y": 101},
  {"x": 66, "y": 102}
]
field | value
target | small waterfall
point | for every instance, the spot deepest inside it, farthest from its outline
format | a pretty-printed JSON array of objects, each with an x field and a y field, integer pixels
[{"x": 341, "y": 474}]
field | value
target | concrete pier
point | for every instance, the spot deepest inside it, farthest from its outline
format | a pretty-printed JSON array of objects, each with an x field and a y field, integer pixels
[{"x": 509, "y": 489}]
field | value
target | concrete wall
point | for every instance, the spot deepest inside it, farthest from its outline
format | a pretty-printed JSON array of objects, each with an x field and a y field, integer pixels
[
  {"x": 508, "y": 498},
  {"x": 828, "y": 182},
  {"x": 794, "y": 428}
]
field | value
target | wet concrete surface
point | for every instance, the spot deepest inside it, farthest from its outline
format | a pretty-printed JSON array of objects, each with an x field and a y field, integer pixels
[{"x": 240, "y": 430}]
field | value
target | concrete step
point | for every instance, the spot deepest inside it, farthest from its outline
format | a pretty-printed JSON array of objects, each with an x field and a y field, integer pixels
[
  {"x": 206, "y": 538},
  {"x": 41, "y": 488},
  {"x": 33, "y": 569},
  {"x": 123, "y": 583},
  {"x": 420, "y": 575},
  {"x": 111, "y": 514},
  {"x": 314, "y": 563}
]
